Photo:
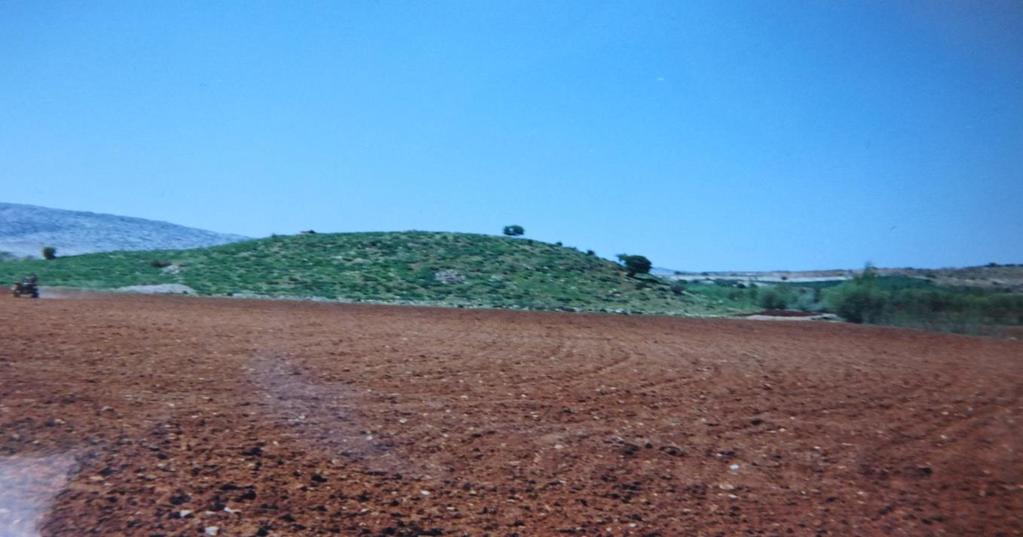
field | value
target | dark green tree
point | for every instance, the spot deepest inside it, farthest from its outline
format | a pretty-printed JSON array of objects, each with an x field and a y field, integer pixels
[
  {"x": 514, "y": 230},
  {"x": 49, "y": 252},
  {"x": 635, "y": 264}
]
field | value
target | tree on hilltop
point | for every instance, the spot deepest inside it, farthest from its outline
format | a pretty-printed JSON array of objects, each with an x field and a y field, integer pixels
[{"x": 514, "y": 230}]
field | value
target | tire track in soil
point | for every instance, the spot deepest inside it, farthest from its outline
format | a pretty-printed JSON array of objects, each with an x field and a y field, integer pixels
[{"x": 325, "y": 416}]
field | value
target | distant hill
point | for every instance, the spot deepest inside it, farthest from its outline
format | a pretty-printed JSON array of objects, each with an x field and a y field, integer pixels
[
  {"x": 26, "y": 229},
  {"x": 990, "y": 276},
  {"x": 452, "y": 269}
]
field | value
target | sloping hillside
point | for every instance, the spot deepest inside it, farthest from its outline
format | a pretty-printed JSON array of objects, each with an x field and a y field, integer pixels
[
  {"x": 407, "y": 267},
  {"x": 26, "y": 229}
]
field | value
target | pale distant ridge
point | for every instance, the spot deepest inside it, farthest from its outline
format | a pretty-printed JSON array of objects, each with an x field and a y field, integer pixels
[{"x": 26, "y": 229}]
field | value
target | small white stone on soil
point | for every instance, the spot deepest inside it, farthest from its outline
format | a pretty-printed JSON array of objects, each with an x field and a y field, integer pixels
[{"x": 212, "y": 530}]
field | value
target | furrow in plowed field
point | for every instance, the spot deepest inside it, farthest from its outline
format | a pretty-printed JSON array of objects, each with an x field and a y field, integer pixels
[{"x": 131, "y": 415}]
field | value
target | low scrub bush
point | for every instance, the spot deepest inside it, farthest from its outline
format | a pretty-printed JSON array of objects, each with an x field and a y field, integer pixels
[
  {"x": 774, "y": 298},
  {"x": 859, "y": 300}
]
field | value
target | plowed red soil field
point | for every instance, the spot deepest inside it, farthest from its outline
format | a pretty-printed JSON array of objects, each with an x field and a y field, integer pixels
[{"x": 133, "y": 415}]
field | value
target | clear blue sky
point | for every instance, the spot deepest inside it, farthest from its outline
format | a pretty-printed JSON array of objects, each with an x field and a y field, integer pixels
[{"x": 705, "y": 135}]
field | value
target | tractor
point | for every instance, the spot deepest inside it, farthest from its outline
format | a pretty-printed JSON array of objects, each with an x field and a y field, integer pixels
[{"x": 27, "y": 287}]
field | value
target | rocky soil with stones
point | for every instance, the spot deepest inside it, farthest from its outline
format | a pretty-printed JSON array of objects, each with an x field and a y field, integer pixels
[{"x": 163, "y": 415}]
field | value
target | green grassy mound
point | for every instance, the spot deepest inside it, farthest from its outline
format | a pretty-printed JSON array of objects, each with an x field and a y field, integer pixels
[{"x": 408, "y": 267}]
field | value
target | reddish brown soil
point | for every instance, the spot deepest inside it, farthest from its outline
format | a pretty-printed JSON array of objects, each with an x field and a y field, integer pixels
[
  {"x": 166, "y": 416},
  {"x": 786, "y": 313}
]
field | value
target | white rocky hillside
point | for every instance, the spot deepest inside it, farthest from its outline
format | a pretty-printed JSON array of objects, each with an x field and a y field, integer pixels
[{"x": 26, "y": 229}]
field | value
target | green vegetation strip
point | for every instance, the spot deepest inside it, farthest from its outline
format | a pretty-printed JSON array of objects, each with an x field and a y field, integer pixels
[{"x": 459, "y": 269}]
